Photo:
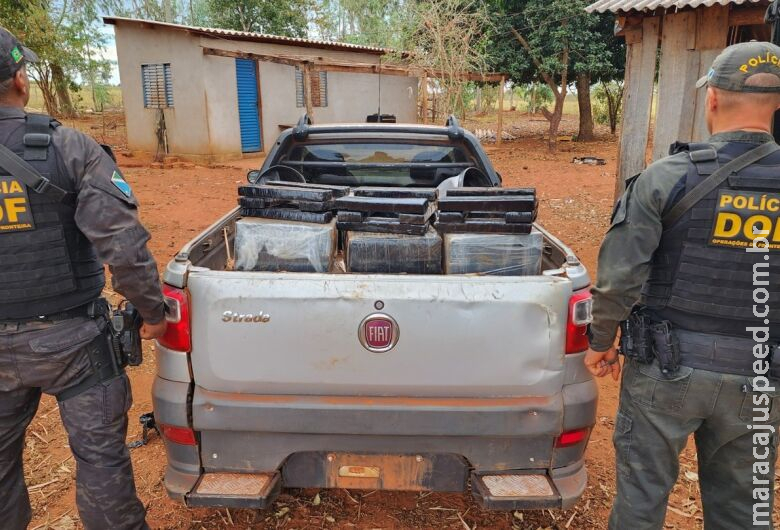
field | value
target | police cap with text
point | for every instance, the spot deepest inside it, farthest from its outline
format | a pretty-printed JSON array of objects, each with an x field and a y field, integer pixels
[{"x": 737, "y": 64}]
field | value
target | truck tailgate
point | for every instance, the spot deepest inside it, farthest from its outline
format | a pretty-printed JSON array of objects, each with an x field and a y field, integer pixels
[{"x": 458, "y": 337}]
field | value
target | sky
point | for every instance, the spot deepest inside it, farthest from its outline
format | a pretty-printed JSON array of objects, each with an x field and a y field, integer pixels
[{"x": 110, "y": 53}]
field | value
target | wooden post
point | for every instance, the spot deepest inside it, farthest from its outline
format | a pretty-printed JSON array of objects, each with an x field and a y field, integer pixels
[
  {"x": 307, "y": 90},
  {"x": 500, "y": 132},
  {"x": 677, "y": 76},
  {"x": 424, "y": 90},
  {"x": 641, "y": 54},
  {"x": 712, "y": 34}
]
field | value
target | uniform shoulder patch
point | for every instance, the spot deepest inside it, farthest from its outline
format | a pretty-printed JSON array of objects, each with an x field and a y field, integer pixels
[{"x": 119, "y": 181}]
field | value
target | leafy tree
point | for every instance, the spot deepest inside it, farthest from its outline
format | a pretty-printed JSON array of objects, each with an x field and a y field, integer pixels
[
  {"x": 480, "y": 96},
  {"x": 553, "y": 41},
  {"x": 611, "y": 67},
  {"x": 536, "y": 97},
  {"x": 368, "y": 22},
  {"x": 609, "y": 99},
  {"x": 175, "y": 11},
  {"x": 278, "y": 17},
  {"x": 64, "y": 34},
  {"x": 450, "y": 39}
]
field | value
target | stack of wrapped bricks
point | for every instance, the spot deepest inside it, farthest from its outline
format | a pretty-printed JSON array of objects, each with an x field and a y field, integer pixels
[
  {"x": 490, "y": 231},
  {"x": 388, "y": 230},
  {"x": 287, "y": 226},
  {"x": 291, "y": 227}
]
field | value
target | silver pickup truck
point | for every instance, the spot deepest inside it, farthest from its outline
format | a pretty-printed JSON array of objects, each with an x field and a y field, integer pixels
[{"x": 263, "y": 381}]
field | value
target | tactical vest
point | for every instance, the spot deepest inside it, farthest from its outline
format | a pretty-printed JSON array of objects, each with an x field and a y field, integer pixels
[
  {"x": 702, "y": 277},
  {"x": 47, "y": 265}
]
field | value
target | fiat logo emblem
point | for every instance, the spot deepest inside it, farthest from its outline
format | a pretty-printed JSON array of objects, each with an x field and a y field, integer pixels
[{"x": 378, "y": 333}]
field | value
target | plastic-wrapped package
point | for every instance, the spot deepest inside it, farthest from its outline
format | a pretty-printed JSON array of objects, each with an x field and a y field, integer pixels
[
  {"x": 275, "y": 246},
  {"x": 369, "y": 252},
  {"x": 494, "y": 254}
]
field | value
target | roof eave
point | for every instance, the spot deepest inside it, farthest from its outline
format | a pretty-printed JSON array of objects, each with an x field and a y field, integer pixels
[{"x": 268, "y": 39}]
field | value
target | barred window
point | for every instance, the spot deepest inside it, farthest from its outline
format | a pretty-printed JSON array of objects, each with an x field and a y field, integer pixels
[
  {"x": 157, "y": 85},
  {"x": 319, "y": 88}
]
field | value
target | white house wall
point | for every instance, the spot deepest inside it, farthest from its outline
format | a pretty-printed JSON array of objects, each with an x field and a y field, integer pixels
[
  {"x": 186, "y": 122},
  {"x": 204, "y": 120},
  {"x": 221, "y": 100},
  {"x": 351, "y": 97}
]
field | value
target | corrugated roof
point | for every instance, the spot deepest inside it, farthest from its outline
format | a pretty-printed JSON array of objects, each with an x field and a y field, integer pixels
[
  {"x": 230, "y": 34},
  {"x": 614, "y": 6}
]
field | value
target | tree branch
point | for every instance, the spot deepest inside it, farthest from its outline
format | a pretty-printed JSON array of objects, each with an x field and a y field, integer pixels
[
  {"x": 565, "y": 70},
  {"x": 547, "y": 78}
]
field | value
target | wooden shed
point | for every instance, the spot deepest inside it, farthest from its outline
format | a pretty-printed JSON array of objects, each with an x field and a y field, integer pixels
[{"x": 670, "y": 45}]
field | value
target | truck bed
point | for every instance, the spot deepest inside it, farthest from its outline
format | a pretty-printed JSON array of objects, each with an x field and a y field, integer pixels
[{"x": 212, "y": 250}]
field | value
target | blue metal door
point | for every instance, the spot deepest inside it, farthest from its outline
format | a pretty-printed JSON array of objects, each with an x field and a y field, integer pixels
[{"x": 248, "y": 105}]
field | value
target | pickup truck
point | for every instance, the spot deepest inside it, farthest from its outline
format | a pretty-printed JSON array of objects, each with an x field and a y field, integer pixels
[{"x": 262, "y": 381}]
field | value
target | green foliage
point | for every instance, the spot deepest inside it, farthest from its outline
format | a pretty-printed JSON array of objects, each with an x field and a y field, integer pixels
[
  {"x": 101, "y": 97},
  {"x": 367, "y": 22},
  {"x": 278, "y": 17},
  {"x": 175, "y": 11},
  {"x": 481, "y": 97},
  {"x": 489, "y": 97},
  {"x": 536, "y": 96},
  {"x": 607, "y": 103},
  {"x": 66, "y": 37},
  {"x": 550, "y": 27},
  {"x": 448, "y": 38}
]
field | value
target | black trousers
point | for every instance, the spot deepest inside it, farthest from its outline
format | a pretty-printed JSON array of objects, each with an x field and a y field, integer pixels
[{"x": 50, "y": 357}]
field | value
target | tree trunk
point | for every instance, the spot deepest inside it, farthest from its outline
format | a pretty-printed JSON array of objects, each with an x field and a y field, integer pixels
[
  {"x": 555, "y": 122},
  {"x": 49, "y": 99},
  {"x": 554, "y": 118},
  {"x": 43, "y": 81},
  {"x": 478, "y": 101},
  {"x": 586, "y": 114},
  {"x": 614, "y": 101},
  {"x": 613, "y": 110},
  {"x": 60, "y": 83}
]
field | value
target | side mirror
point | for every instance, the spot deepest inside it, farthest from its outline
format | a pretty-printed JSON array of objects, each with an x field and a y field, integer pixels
[{"x": 253, "y": 176}]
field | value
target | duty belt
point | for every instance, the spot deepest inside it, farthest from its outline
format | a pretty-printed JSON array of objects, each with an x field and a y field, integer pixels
[
  {"x": 81, "y": 311},
  {"x": 720, "y": 353},
  {"x": 645, "y": 339}
]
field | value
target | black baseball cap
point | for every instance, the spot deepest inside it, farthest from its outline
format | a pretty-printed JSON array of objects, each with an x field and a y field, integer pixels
[
  {"x": 13, "y": 55},
  {"x": 732, "y": 68}
]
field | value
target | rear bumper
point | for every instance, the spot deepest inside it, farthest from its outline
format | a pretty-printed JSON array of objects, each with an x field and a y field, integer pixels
[
  {"x": 566, "y": 486},
  {"x": 486, "y": 435}
]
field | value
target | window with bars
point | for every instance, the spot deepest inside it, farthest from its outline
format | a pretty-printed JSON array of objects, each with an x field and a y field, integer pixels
[
  {"x": 319, "y": 88},
  {"x": 157, "y": 85}
]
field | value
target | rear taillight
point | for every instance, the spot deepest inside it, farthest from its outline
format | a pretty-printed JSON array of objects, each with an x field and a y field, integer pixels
[
  {"x": 178, "y": 435},
  {"x": 580, "y": 306},
  {"x": 177, "y": 336},
  {"x": 570, "y": 438}
]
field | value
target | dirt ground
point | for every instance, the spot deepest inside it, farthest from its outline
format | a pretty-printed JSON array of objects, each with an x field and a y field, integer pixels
[{"x": 177, "y": 203}]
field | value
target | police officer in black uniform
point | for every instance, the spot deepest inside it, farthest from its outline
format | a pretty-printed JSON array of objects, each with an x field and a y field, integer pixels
[
  {"x": 690, "y": 267},
  {"x": 65, "y": 210}
]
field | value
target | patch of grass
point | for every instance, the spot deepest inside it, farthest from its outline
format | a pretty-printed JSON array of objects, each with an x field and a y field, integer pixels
[
  {"x": 570, "y": 105},
  {"x": 82, "y": 98}
]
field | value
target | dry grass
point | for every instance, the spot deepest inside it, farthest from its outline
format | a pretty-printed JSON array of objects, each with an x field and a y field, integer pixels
[{"x": 82, "y": 99}]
